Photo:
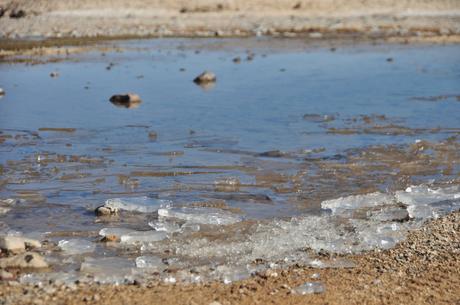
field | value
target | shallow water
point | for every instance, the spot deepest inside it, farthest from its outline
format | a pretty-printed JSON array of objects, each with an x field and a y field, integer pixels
[{"x": 271, "y": 139}]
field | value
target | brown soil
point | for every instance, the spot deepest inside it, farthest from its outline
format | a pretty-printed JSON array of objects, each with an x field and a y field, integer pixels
[{"x": 425, "y": 269}]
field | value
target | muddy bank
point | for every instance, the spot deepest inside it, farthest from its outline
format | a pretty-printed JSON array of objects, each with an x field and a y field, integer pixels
[
  {"x": 311, "y": 18},
  {"x": 424, "y": 269}
]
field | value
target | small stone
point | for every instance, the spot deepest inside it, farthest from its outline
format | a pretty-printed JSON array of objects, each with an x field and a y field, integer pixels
[
  {"x": 6, "y": 276},
  {"x": 389, "y": 59},
  {"x": 105, "y": 211},
  {"x": 127, "y": 100},
  {"x": 153, "y": 136},
  {"x": 54, "y": 74},
  {"x": 25, "y": 260},
  {"x": 16, "y": 14},
  {"x": 271, "y": 273},
  {"x": 205, "y": 78},
  {"x": 215, "y": 303},
  {"x": 2, "y": 92},
  {"x": 237, "y": 60}
]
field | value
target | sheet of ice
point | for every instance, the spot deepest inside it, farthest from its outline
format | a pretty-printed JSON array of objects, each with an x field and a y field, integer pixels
[
  {"x": 343, "y": 205},
  {"x": 137, "y": 204},
  {"x": 150, "y": 262},
  {"x": 424, "y": 202},
  {"x": 118, "y": 232},
  {"x": 229, "y": 274},
  {"x": 309, "y": 288},
  {"x": 76, "y": 246},
  {"x": 210, "y": 216},
  {"x": 164, "y": 226},
  {"x": 139, "y": 237},
  {"x": 109, "y": 270}
]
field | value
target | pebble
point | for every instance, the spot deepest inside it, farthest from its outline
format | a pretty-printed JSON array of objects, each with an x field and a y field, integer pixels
[
  {"x": 205, "y": 77},
  {"x": 105, "y": 211},
  {"x": 6, "y": 276},
  {"x": 25, "y": 260},
  {"x": 2, "y": 92},
  {"x": 128, "y": 100},
  {"x": 54, "y": 74}
]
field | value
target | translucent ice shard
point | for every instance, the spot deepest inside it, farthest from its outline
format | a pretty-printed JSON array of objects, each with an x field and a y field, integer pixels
[
  {"x": 230, "y": 274},
  {"x": 210, "y": 216},
  {"x": 424, "y": 202},
  {"x": 164, "y": 226},
  {"x": 117, "y": 232},
  {"x": 344, "y": 205},
  {"x": 109, "y": 270},
  {"x": 76, "y": 246},
  {"x": 137, "y": 237},
  {"x": 150, "y": 262},
  {"x": 309, "y": 288},
  {"x": 137, "y": 204}
]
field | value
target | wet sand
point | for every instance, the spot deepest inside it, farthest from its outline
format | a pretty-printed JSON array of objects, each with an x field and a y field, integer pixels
[{"x": 424, "y": 269}]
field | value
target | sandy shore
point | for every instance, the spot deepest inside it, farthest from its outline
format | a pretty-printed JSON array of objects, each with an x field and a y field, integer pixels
[
  {"x": 205, "y": 18},
  {"x": 422, "y": 270}
]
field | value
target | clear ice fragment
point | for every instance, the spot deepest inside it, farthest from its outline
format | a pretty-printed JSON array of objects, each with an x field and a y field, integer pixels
[{"x": 309, "y": 288}]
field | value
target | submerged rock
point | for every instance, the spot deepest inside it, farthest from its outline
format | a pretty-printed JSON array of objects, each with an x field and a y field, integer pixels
[
  {"x": 17, "y": 244},
  {"x": 205, "y": 78},
  {"x": 127, "y": 100},
  {"x": 25, "y": 260},
  {"x": 2, "y": 92}
]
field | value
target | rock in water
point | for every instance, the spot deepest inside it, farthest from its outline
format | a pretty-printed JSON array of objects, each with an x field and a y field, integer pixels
[
  {"x": 128, "y": 100},
  {"x": 2, "y": 92},
  {"x": 25, "y": 260},
  {"x": 205, "y": 78},
  {"x": 17, "y": 244}
]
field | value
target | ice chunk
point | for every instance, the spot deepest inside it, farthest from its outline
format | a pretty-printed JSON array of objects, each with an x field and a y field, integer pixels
[
  {"x": 117, "y": 232},
  {"x": 76, "y": 246},
  {"x": 309, "y": 288},
  {"x": 150, "y": 262},
  {"x": 109, "y": 270},
  {"x": 343, "y": 205},
  {"x": 210, "y": 216},
  {"x": 142, "y": 237},
  {"x": 190, "y": 227},
  {"x": 164, "y": 226},
  {"x": 230, "y": 274},
  {"x": 424, "y": 202},
  {"x": 137, "y": 204}
]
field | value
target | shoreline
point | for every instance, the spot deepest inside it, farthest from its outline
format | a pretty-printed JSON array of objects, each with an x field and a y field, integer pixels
[{"x": 423, "y": 269}]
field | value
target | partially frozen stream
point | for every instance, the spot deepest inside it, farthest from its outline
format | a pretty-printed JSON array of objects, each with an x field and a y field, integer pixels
[{"x": 296, "y": 149}]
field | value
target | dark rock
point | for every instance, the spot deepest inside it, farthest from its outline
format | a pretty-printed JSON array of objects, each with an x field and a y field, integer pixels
[
  {"x": 205, "y": 78},
  {"x": 17, "y": 14},
  {"x": 128, "y": 100}
]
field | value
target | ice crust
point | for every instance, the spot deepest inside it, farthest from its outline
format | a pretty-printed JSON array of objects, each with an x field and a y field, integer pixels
[
  {"x": 76, "y": 246},
  {"x": 139, "y": 237},
  {"x": 137, "y": 204},
  {"x": 354, "y": 224},
  {"x": 309, "y": 288},
  {"x": 209, "y": 216}
]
